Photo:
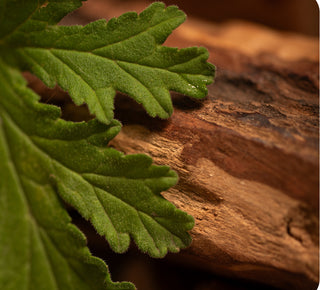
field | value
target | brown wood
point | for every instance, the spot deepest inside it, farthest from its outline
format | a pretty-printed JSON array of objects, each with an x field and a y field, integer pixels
[
  {"x": 247, "y": 155},
  {"x": 248, "y": 165}
]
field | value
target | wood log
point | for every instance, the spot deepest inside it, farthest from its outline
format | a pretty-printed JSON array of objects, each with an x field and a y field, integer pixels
[{"x": 247, "y": 155}]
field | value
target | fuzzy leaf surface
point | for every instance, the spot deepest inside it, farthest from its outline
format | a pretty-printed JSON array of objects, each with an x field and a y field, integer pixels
[
  {"x": 40, "y": 248},
  {"x": 119, "y": 194},
  {"x": 12, "y": 17},
  {"x": 17, "y": 15},
  {"x": 124, "y": 54}
]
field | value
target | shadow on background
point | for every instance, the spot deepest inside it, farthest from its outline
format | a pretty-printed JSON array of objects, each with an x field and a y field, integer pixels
[{"x": 300, "y": 16}]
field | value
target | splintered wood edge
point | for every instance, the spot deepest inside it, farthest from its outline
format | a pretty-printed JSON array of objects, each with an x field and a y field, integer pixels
[{"x": 239, "y": 223}]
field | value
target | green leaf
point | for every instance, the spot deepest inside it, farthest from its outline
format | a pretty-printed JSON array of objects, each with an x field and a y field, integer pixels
[
  {"x": 29, "y": 14},
  {"x": 52, "y": 13},
  {"x": 125, "y": 54},
  {"x": 119, "y": 194},
  {"x": 40, "y": 248},
  {"x": 12, "y": 16},
  {"x": 46, "y": 161}
]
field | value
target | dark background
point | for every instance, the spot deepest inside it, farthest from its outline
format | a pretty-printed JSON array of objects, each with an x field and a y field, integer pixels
[{"x": 300, "y": 16}]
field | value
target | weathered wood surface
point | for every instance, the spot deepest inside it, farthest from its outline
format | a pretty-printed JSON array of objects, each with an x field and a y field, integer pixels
[
  {"x": 248, "y": 165},
  {"x": 247, "y": 155}
]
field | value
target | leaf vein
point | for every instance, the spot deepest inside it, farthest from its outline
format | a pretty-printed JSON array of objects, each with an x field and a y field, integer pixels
[
  {"x": 146, "y": 228},
  {"x": 144, "y": 85},
  {"x": 137, "y": 34},
  {"x": 104, "y": 209},
  {"x": 21, "y": 24}
]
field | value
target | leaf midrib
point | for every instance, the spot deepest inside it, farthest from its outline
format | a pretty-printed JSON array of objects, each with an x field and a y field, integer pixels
[
  {"x": 34, "y": 223},
  {"x": 118, "y": 63},
  {"x": 118, "y": 60},
  {"x": 32, "y": 219}
]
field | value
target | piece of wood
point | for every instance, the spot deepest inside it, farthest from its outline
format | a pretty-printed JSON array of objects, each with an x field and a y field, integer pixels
[
  {"x": 247, "y": 155},
  {"x": 248, "y": 165}
]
